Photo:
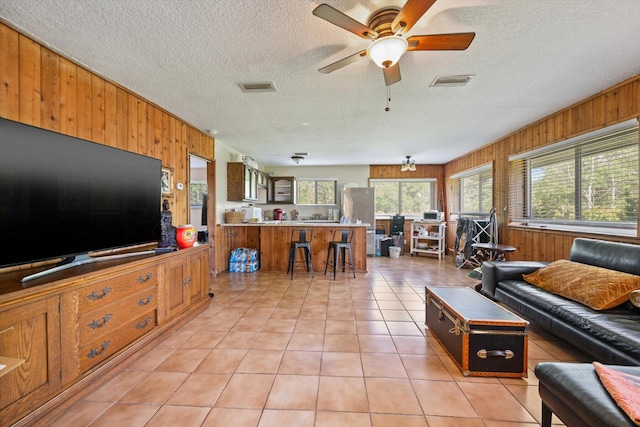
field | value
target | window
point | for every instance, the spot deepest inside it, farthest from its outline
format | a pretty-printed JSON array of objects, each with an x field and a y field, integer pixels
[
  {"x": 316, "y": 191},
  {"x": 196, "y": 191},
  {"x": 472, "y": 191},
  {"x": 408, "y": 197},
  {"x": 590, "y": 181}
]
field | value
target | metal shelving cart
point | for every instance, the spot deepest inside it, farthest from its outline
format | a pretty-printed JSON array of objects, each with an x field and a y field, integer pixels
[{"x": 431, "y": 240}]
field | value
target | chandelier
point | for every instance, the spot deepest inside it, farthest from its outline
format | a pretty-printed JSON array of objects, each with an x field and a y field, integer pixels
[{"x": 408, "y": 165}]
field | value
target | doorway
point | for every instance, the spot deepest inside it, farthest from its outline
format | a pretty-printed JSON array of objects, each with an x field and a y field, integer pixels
[{"x": 202, "y": 202}]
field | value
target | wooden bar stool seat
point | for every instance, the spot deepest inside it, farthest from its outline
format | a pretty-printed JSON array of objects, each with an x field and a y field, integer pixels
[
  {"x": 337, "y": 252},
  {"x": 300, "y": 240}
]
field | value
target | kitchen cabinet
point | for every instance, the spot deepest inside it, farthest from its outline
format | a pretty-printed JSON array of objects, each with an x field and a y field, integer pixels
[
  {"x": 263, "y": 179},
  {"x": 427, "y": 237},
  {"x": 242, "y": 182},
  {"x": 283, "y": 190}
]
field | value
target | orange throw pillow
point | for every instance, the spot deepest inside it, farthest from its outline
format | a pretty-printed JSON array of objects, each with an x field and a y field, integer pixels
[{"x": 596, "y": 287}]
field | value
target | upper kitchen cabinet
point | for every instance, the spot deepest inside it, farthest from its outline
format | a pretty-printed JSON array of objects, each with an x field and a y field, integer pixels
[
  {"x": 242, "y": 182},
  {"x": 283, "y": 190}
]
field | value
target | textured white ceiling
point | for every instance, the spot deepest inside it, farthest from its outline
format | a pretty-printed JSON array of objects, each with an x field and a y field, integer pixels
[{"x": 529, "y": 58}]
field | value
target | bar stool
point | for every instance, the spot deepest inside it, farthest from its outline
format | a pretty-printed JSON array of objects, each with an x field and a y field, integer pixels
[
  {"x": 299, "y": 241},
  {"x": 339, "y": 248}
]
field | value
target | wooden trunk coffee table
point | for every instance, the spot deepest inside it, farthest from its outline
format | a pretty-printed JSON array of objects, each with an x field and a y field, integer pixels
[{"x": 481, "y": 337}]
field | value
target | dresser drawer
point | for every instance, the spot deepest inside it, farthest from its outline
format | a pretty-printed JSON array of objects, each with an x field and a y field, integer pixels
[
  {"x": 104, "y": 320},
  {"x": 106, "y": 345},
  {"x": 115, "y": 288}
]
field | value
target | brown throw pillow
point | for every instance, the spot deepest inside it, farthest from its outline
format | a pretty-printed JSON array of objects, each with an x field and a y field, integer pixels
[{"x": 596, "y": 287}]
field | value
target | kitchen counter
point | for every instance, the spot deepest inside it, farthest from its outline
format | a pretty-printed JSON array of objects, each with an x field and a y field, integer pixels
[
  {"x": 303, "y": 223},
  {"x": 272, "y": 240}
]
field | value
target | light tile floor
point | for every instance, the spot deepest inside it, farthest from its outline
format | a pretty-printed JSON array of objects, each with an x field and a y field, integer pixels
[{"x": 270, "y": 351}]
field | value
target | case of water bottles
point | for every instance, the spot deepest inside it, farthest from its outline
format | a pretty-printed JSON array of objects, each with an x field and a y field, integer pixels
[{"x": 243, "y": 260}]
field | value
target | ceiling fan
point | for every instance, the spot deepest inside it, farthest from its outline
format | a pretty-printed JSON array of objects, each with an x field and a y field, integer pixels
[{"x": 385, "y": 29}]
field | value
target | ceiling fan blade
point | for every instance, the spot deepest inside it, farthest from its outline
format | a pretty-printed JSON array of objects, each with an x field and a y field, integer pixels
[
  {"x": 343, "y": 62},
  {"x": 457, "y": 41},
  {"x": 392, "y": 74},
  {"x": 338, "y": 18},
  {"x": 409, "y": 15}
]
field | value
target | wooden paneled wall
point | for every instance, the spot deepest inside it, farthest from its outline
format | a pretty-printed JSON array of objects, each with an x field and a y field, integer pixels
[
  {"x": 44, "y": 89},
  {"x": 611, "y": 106},
  {"x": 393, "y": 172}
]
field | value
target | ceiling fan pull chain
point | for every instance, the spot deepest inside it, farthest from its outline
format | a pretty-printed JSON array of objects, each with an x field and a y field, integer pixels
[{"x": 388, "y": 98}]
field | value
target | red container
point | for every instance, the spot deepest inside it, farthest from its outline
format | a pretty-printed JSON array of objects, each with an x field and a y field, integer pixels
[
  {"x": 186, "y": 236},
  {"x": 277, "y": 214}
]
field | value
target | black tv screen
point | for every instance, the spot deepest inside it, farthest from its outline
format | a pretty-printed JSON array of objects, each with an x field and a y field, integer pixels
[{"x": 62, "y": 196}]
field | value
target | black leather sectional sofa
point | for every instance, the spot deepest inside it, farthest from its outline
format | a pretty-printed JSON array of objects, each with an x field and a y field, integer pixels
[
  {"x": 609, "y": 336},
  {"x": 573, "y": 391}
]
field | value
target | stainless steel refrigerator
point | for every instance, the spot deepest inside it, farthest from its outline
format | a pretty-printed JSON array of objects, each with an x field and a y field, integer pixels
[{"x": 359, "y": 203}]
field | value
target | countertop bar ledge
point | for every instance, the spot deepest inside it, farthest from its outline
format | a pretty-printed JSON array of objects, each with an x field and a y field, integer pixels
[
  {"x": 272, "y": 240},
  {"x": 295, "y": 224}
]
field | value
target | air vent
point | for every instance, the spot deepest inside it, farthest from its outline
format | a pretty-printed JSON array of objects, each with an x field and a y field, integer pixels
[
  {"x": 451, "y": 81},
  {"x": 257, "y": 87}
]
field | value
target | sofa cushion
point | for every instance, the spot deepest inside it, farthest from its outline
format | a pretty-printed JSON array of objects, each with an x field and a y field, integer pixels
[{"x": 596, "y": 287}]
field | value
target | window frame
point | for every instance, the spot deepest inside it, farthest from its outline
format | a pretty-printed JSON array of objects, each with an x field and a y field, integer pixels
[
  {"x": 192, "y": 185},
  {"x": 315, "y": 195},
  {"x": 520, "y": 178},
  {"x": 483, "y": 173},
  {"x": 432, "y": 194}
]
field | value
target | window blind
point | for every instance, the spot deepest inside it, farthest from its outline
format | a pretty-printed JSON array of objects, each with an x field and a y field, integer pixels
[{"x": 592, "y": 181}]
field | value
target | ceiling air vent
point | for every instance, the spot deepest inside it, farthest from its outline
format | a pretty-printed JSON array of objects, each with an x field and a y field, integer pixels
[
  {"x": 451, "y": 81},
  {"x": 257, "y": 87}
]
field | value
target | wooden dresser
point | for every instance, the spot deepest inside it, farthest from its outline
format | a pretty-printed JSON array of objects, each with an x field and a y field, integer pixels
[{"x": 69, "y": 330}]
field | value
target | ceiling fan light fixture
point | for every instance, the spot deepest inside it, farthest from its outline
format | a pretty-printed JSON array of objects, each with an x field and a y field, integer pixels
[
  {"x": 297, "y": 159},
  {"x": 387, "y": 51}
]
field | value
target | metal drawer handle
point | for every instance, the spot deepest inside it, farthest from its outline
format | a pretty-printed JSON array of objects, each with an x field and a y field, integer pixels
[
  {"x": 483, "y": 354},
  {"x": 145, "y": 301},
  {"x": 144, "y": 324},
  {"x": 99, "y": 323},
  {"x": 186, "y": 281},
  {"x": 146, "y": 278},
  {"x": 97, "y": 352},
  {"x": 96, "y": 295}
]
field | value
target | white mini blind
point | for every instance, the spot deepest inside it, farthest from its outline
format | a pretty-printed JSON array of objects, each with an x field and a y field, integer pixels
[{"x": 592, "y": 180}]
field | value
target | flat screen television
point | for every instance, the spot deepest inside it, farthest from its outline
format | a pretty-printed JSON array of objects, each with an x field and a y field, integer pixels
[{"x": 62, "y": 196}]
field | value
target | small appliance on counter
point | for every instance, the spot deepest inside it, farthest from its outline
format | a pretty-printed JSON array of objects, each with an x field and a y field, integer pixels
[
  {"x": 433, "y": 216},
  {"x": 252, "y": 214},
  {"x": 277, "y": 214}
]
